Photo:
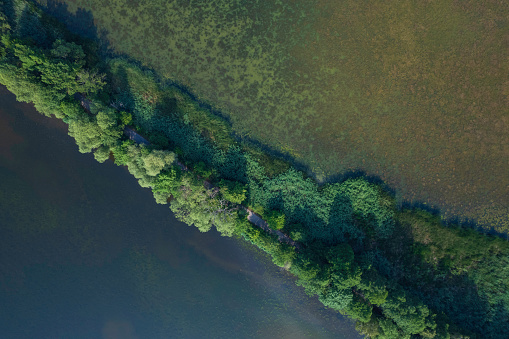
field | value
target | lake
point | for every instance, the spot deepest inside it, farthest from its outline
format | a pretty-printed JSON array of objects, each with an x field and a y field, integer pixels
[{"x": 87, "y": 253}]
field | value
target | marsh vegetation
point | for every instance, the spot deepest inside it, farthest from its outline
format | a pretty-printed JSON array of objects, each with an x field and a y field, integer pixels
[{"x": 412, "y": 92}]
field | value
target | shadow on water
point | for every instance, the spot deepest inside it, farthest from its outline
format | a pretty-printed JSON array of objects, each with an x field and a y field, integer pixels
[
  {"x": 455, "y": 221},
  {"x": 32, "y": 28},
  {"x": 80, "y": 23},
  {"x": 8, "y": 8}
]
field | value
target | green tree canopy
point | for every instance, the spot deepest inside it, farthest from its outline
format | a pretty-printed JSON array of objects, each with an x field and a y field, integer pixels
[
  {"x": 345, "y": 272},
  {"x": 233, "y": 191}
]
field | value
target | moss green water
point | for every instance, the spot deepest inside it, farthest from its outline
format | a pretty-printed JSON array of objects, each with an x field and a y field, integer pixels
[
  {"x": 414, "y": 92},
  {"x": 86, "y": 253}
]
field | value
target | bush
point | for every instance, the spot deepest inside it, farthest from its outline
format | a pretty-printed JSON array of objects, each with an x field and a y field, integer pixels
[
  {"x": 275, "y": 219},
  {"x": 233, "y": 191}
]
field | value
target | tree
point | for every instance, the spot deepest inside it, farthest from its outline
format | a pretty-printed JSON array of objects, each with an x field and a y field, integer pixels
[
  {"x": 28, "y": 89},
  {"x": 297, "y": 232},
  {"x": 312, "y": 274},
  {"x": 370, "y": 329},
  {"x": 90, "y": 82},
  {"x": 283, "y": 255},
  {"x": 125, "y": 118},
  {"x": 373, "y": 287},
  {"x": 71, "y": 56},
  {"x": 107, "y": 120},
  {"x": 373, "y": 208},
  {"x": 336, "y": 298},
  {"x": 157, "y": 160},
  {"x": 359, "y": 309},
  {"x": 233, "y": 191},
  {"x": 121, "y": 152},
  {"x": 202, "y": 170},
  {"x": 102, "y": 154},
  {"x": 70, "y": 109},
  {"x": 4, "y": 24},
  {"x": 68, "y": 52},
  {"x": 86, "y": 133},
  {"x": 165, "y": 184},
  {"x": 167, "y": 181},
  {"x": 62, "y": 67},
  {"x": 409, "y": 314},
  {"x": 59, "y": 75},
  {"x": 275, "y": 219},
  {"x": 143, "y": 163},
  {"x": 194, "y": 205},
  {"x": 389, "y": 330},
  {"x": 345, "y": 272}
]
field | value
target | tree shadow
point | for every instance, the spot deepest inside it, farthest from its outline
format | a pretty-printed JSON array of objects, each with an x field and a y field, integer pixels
[
  {"x": 232, "y": 164},
  {"x": 80, "y": 23},
  {"x": 119, "y": 86},
  {"x": 340, "y": 226},
  {"x": 168, "y": 105},
  {"x": 272, "y": 152},
  {"x": 7, "y": 7},
  {"x": 454, "y": 221},
  {"x": 30, "y": 27},
  {"x": 275, "y": 202},
  {"x": 456, "y": 295},
  {"x": 168, "y": 83}
]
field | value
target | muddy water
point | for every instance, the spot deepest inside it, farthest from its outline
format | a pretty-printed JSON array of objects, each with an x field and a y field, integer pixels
[{"x": 86, "y": 253}]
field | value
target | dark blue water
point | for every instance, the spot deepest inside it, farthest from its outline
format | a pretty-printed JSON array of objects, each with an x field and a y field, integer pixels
[{"x": 86, "y": 253}]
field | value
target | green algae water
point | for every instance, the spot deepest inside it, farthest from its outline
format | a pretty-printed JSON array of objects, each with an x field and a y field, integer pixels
[
  {"x": 414, "y": 93},
  {"x": 86, "y": 253}
]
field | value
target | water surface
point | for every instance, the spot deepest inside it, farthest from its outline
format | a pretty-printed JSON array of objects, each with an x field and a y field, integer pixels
[{"x": 86, "y": 253}]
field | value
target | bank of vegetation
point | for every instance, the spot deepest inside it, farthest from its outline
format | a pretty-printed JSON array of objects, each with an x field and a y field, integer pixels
[{"x": 399, "y": 273}]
